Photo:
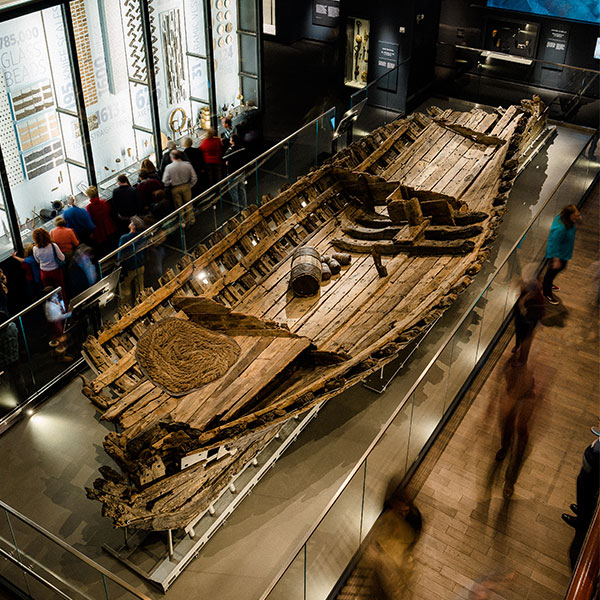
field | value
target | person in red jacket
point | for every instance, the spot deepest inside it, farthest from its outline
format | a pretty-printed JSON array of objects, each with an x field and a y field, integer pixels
[
  {"x": 99, "y": 210},
  {"x": 212, "y": 151}
]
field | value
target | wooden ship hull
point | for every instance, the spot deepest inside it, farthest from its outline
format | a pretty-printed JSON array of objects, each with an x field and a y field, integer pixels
[{"x": 202, "y": 372}]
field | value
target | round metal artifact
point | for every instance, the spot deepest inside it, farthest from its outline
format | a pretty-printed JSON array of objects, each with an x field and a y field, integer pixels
[
  {"x": 228, "y": 15},
  {"x": 220, "y": 16},
  {"x": 221, "y": 29},
  {"x": 229, "y": 27},
  {"x": 305, "y": 277},
  {"x": 220, "y": 4},
  {"x": 229, "y": 39},
  {"x": 221, "y": 42}
]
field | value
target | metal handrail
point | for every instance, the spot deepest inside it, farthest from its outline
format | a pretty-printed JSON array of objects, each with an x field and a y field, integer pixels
[
  {"x": 365, "y": 89},
  {"x": 215, "y": 188},
  {"x": 533, "y": 60},
  {"x": 8, "y": 556},
  {"x": 412, "y": 389},
  {"x": 31, "y": 306},
  {"x": 73, "y": 551},
  {"x": 585, "y": 574}
]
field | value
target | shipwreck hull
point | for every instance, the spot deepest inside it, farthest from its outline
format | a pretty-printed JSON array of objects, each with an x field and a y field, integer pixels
[{"x": 416, "y": 204}]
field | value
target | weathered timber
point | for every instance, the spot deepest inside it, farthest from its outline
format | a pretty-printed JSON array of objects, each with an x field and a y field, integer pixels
[
  {"x": 381, "y": 270},
  {"x": 421, "y": 194},
  {"x": 476, "y": 136},
  {"x": 452, "y": 233}
]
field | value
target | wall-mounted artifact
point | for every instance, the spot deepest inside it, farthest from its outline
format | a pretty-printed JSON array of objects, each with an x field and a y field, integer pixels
[
  {"x": 178, "y": 120},
  {"x": 84, "y": 52},
  {"x": 357, "y": 52},
  {"x": 173, "y": 54}
]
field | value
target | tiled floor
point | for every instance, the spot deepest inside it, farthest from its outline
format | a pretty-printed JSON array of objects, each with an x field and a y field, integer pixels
[{"x": 472, "y": 537}]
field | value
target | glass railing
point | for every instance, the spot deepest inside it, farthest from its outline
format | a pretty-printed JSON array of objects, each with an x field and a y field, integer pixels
[
  {"x": 378, "y": 102},
  {"x": 317, "y": 563},
  {"x": 34, "y": 350},
  {"x": 487, "y": 77},
  {"x": 38, "y": 347},
  {"x": 43, "y": 567},
  {"x": 190, "y": 227}
]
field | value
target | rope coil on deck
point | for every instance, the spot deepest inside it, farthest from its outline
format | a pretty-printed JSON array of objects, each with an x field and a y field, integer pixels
[{"x": 180, "y": 356}]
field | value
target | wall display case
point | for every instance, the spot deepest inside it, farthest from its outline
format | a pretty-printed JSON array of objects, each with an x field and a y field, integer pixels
[
  {"x": 517, "y": 38},
  {"x": 54, "y": 146},
  {"x": 357, "y": 52}
]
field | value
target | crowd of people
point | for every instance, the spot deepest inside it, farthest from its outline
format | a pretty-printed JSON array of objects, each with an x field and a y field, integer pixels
[{"x": 67, "y": 255}]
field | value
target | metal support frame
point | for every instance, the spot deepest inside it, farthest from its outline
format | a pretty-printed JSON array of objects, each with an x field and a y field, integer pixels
[
  {"x": 380, "y": 383},
  {"x": 152, "y": 95},
  {"x": 210, "y": 61},
  {"x": 259, "y": 54},
  {"x": 65, "y": 9},
  {"x": 182, "y": 546},
  {"x": 13, "y": 220}
]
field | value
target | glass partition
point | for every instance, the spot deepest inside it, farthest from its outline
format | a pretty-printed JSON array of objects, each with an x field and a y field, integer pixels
[
  {"x": 44, "y": 567},
  {"x": 402, "y": 440},
  {"x": 490, "y": 77},
  {"x": 39, "y": 345},
  {"x": 377, "y": 103},
  {"x": 189, "y": 228}
]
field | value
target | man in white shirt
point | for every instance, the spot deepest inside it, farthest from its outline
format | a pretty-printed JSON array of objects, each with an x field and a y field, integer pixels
[{"x": 180, "y": 177}]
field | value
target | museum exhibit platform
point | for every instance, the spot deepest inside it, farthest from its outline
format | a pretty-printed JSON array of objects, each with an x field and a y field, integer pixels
[{"x": 342, "y": 455}]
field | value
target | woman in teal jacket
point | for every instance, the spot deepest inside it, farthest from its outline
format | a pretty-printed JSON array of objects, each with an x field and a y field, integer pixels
[{"x": 560, "y": 247}]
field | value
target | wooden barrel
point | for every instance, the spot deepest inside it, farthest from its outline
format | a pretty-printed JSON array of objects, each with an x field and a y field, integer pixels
[{"x": 305, "y": 278}]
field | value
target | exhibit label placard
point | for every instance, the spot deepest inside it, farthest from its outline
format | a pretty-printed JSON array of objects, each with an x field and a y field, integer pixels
[
  {"x": 326, "y": 12},
  {"x": 387, "y": 59},
  {"x": 555, "y": 47}
]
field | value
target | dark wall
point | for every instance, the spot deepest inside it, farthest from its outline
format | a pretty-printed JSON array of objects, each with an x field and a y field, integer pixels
[
  {"x": 415, "y": 45},
  {"x": 463, "y": 22},
  {"x": 294, "y": 22}
]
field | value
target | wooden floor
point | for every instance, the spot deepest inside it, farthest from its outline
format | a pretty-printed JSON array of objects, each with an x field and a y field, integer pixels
[{"x": 472, "y": 538}]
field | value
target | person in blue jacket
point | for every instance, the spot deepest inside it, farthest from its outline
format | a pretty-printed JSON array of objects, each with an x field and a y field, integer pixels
[
  {"x": 79, "y": 220},
  {"x": 559, "y": 249}
]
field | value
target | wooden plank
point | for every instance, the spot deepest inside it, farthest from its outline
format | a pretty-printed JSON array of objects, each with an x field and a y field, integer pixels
[
  {"x": 247, "y": 384},
  {"x": 114, "y": 371},
  {"x": 128, "y": 399},
  {"x": 383, "y": 148},
  {"x": 155, "y": 299}
]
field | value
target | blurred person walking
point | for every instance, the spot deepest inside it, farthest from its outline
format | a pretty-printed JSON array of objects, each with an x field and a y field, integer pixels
[
  {"x": 9, "y": 357},
  {"x": 180, "y": 178},
  {"x": 55, "y": 312},
  {"x": 559, "y": 249},
  {"x": 528, "y": 311},
  {"x": 82, "y": 271},
  {"x": 517, "y": 407},
  {"x": 389, "y": 555}
]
